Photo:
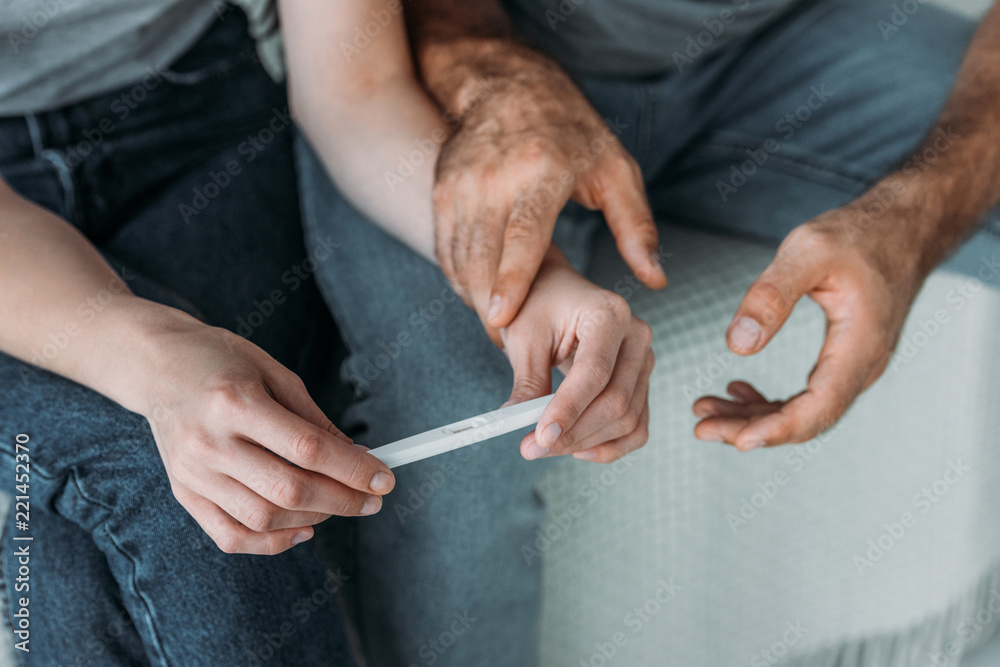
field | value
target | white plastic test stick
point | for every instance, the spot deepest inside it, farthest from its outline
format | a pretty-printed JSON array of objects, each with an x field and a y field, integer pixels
[{"x": 462, "y": 433}]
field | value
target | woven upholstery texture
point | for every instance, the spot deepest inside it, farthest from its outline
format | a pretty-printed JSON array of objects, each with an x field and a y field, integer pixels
[{"x": 751, "y": 545}]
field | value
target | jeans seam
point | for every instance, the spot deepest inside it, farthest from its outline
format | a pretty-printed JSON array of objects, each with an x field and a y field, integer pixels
[{"x": 158, "y": 645}]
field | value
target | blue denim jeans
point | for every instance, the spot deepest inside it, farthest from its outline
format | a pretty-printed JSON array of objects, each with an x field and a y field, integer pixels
[
  {"x": 845, "y": 103},
  {"x": 120, "y": 574}
]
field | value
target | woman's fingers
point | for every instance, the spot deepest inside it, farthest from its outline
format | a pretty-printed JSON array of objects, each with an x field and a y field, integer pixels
[
  {"x": 306, "y": 445},
  {"x": 616, "y": 412},
  {"x": 610, "y": 452},
  {"x": 289, "y": 487},
  {"x": 250, "y": 509},
  {"x": 233, "y": 537}
]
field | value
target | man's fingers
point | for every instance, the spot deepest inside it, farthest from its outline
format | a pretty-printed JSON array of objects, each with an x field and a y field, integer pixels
[
  {"x": 840, "y": 375},
  {"x": 720, "y": 429},
  {"x": 525, "y": 242},
  {"x": 770, "y": 300},
  {"x": 444, "y": 229},
  {"x": 307, "y": 446},
  {"x": 626, "y": 208}
]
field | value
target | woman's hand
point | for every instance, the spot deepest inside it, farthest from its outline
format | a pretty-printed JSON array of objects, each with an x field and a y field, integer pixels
[
  {"x": 247, "y": 451},
  {"x": 601, "y": 410}
]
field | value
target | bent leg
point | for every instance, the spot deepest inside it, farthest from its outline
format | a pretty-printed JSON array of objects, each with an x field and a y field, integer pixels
[
  {"x": 96, "y": 465},
  {"x": 439, "y": 569}
]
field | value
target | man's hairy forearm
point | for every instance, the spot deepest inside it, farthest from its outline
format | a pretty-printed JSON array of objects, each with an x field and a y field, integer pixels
[
  {"x": 467, "y": 49},
  {"x": 954, "y": 179}
]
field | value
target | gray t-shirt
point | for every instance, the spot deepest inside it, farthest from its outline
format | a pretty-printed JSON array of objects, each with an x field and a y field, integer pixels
[
  {"x": 56, "y": 52},
  {"x": 637, "y": 38}
]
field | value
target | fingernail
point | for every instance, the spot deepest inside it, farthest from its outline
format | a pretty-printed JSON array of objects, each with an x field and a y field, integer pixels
[
  {"x": 381, "y": 482},
  {"x": 551, "y": 434},
  {"x": 495, "y": 304},
  {"x": 372, "y": 505},
  {"x": 535, "y": 451},
  {"x": 754, "y": 445},
  {"x": 301, "y": 537},
  {"x": 745, "y": 334},
  {"x": 711, "y": 437},
  {"x": 588, "y": 455},
  {"x": 701, "y": 412}
]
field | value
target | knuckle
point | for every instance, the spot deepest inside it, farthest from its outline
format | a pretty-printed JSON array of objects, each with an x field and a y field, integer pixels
[
  {"x": 616, "y": 307},
  {"x": 288, "y": 493},
  {"x": 535, "y": 153},
  {"x": 812, "y": 240},
  {"x": 520, "y": 228},
  {"x": 769, "y": 300},
  {"x": 348, "y": 505},
  {"x": 307, "y": 449},
  {"x": 643, "y": 332},
  {"x": 259, "y": 520},
  {"x": 528, "y": 385},
  {"x": 617, "y": 402},
  {"x": 360, "y": 474},
  {"x": 228, "y": 541},
  {"x": 597, "y": 371}
]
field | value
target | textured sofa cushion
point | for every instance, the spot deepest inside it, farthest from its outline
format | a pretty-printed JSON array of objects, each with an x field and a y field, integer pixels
[{"x": 699, "y": 555}]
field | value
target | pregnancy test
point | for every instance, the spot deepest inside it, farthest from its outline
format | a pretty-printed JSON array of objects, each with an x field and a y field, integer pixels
[{"x": 461, "y": 434}]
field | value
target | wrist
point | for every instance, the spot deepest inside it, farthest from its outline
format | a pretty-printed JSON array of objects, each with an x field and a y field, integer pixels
[
  {"x": 136, "y": 353},
  {"x": 904, "y": 216},
  {"x": 465, "y": 73}
]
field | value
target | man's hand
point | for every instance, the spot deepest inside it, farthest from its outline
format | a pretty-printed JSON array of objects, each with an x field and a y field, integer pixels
[
  {"x": 601, "y": 410},
  {"x": 521, "y": 152},
  {"x": 864, "y": 264},
  {"x": 865, "y": 279},
  {"x": 526, "y": 141},
  {"x": 247, "y": 451}
]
